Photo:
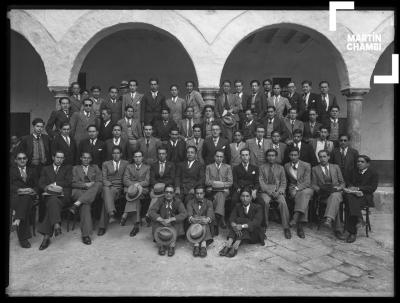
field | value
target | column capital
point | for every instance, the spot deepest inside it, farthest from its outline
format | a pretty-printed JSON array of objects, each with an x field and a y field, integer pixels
[
  {"x": 355, "y": 92},
  {"x": 209, "y": 94}
]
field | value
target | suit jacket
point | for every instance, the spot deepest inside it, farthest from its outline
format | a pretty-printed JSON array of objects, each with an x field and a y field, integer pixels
[
  {"x": 297, "y": 125},
  {"x": 209, "y": 149},
  {"x": 318, "y": 179},
  {"x": 159, "y": 209},
  {"x": 204, "y": 128},
  {"x": 307, "y": 154},
  {"x": 150, "y": 109},
  {"x": 26, "y": 146},
  {"x": 312, "y": 103},
  {"x": 110, "y": 176},
  {"x": 349, "y": 163},
  {"x": 78, "y": 176},
  {"x": 235, "y": 153},
  {"x": 224, "y": 174},
  {"x": 79, "y": 123},
  {"x": 278, "y": 125},
  {"x": 255, "y": 154},
  {"x": 243, "y": 100},
  {"x": 135, "y": 103},
  {"x": 341, "y": 122},
  {"x": 97, "y": 105},
  {"x": 297, "y": 102},
  {"x": 234, "y": 101},
  {"x": 199, "y": 146},
  {"x": 149, "y": 152},
  {"x": 136, "y": 129},
  {"x": 162, "y": 131},
  {"x": 70, "y": 151},
  {"x": 195, "y": 100},
  {"x": 303, "y": 175},
  {"x": 177, "y": 109},
  {"x": 16, "y": 181},
  {"x": 260, "y": 105},
  {"x": 57, "y": 119},
  {"x": 249, "y": 131},
  {"x": 206, "y": 210},
  {"x": 123, "y": 144},
  {"x": 167, "y": 178},
  {"x": 97, "y": 151},
  {"x": 281, "y": 104},
  {"x": 280, "y": 158},
  {"x": 176, "y": 154},
  {"x": 140, "y": 176},
  {"x": 308, "y": 133},
  {"x": 63, "y": 179},
  {"x": 116, "y": 109},
  {"x": 253, "y": 219},
  {"x": 313, "y": 142},
  {"x": 76, "y": 105},
  {"x": 243, "y": 178},
  {"x": 105, "y": 132},
  {"x": 183, "y": 128},
  {"x": 188, "y": 178},
  {"x": 278, "y": 175},
  {"x": 322, "y": 111},
  {"x": 367, "y": 183}
]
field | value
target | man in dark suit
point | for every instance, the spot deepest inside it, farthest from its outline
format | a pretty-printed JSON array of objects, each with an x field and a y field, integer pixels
[
  {"x": 310, "y": 99},
  {"x": 36, "y": 146},
  {"x": 162, "y": 171},
  {"x": 152, "y": 103},
  {"x": 267, "y": 84},
  {"x": 106, "y": 125},
  {"x": 243, "y": 100},
  {"x": 249, "y": 126},
  {"x": 66, "y": 144},
  {"x": 214, "y": 143},
  {"x": 295, "y": 100},
  {"x": 163, "y": 127},
  {"x": 76, "y": 97},
  {"x": 359, "y": 193},
  {"x": 133, "y": 98},
  {"x": 176, "y": 148},
  {"x": 326, "y": 100},
  {"x": 208, "y": 121},
  {"x": 23, "y": 189},
  {"x": 113, "y": 103},
  {"x": 80, "y": 120},
  {"x": 311, "y": 127},
  {"x": 117, "y": 140},
  {"x": 59, "y": 117},
  {"x": 189, "y": 174},
  {"x": 307, "y": 153},
  {"x": 93, "y": 145},
  {"x": 346, "y": 157},
  {"x": 60, "y": 175},
  {"x": 257, "y": 101},
  {"x": 272, "y": 122},
  {"x": 335, "y": 125},
  {"x": 279, "y": 146}
]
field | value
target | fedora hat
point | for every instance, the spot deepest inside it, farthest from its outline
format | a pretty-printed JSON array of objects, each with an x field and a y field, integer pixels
[
  {"x": 196, "y": 233},
  {"x": 133, "y": 193},
  {"x": 164, "y": 235},
  {"x": 218, "y": 186},
  {"x": 53, "y": 190},
  {"x": 124, "y": 84},
  {"x": 158, "y": 190},
  {"x": 229, "y": 121}
]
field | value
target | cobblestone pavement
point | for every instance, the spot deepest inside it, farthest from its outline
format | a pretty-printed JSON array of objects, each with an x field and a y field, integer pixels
[{"x": 118, "y": 265}]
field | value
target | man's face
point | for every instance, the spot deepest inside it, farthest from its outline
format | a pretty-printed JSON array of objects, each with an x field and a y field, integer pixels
[
  {"x": 138, "y": 158},
  {"x": 237, "y": 137},
  {"x": 208, "y": 113},
  {"x": 58, "y": 159},
  {"x": 105, "y": 115},
  {"x": 275, "y": 137},
  {"x": 190, "y": 154},
  {"x": 132, "y": 86},
  {"x": 129, "y": 113},
  {"x": 294, "y": 156},
  {"x": 64, "y": 104},
  {"x": 148, "y": 131},
  {"x": 245, "y": 156},
  {"x": 226, "y": 87},
  {"x": 153, "y": 86},
  {"x": 334, "y": 113},
  {"x": 219, "y": 157},
  {"x": 323, "y": 158},
  {"x": 76, "y": 89},
  {"x": 21, "y": 160},
  {"x": 92, "y": 132},
  {"x": 116, "y": 155},
  {"x": 189, "y": 87},
  {"x": 260, "y": 133},
  {"x": 297, "y": 138},
  {"x": 169, "y": 193},
  {"x": 362, "y": 163},
  {"x": 113, "y": 93},
  {"x": 306, "y": 88},
  {"x": 343, "y": 142},
  {"x": 189, "y": 113},
  {"x": 312, "y": 115},
  {"x": 323, "y": 133},
  {"x": 96, "y": 93},
  {"x": 267, "y": 86},
  {"x": 86, "y": 158},
  {"x": 14, "y": 140},
  {"x": 291, "y": 87},
  {"x": 116, "y": 132},
  {"x": 197, "y": 132},
  {"x": 238, "y": 87},
  {"x": 271, "y": 158},
  {"x": 38, "y": 128},
  {"x": 174, "y": 134},
  {"x": 254, "y": 87},
  {"x": 65, "y": 130},
  {"x": 277, "y": 90},
  {"x": 324, "y": 88},
  {"x": 165, "y": 115},
  {"x": 292, "y": 114},
  {"x": 270, "y": 113},
  {"x": 87, "y": 106},
  {"x": 215, "y": 130},
  {"x": 245, "y": 198},
  {"x": 174, "y": 91},
  {"x": 85, "y": 95},
  {"x": 162, "y": 155},
  {"x": 199, "y": 192},
  {"x": 249, "y": 115}
]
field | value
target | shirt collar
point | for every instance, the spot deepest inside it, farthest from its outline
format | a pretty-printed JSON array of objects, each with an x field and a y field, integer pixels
[
  {"x": 117, "y": 140},
  {"x": 218, "y": 166},
  {"x": 94, "y": 140},
  {"x": 363, "y": 171},
  {"x": 296, "y": 165},
  {"x": 334, "y": 120}
]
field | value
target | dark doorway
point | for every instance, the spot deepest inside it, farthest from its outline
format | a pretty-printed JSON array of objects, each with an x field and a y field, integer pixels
[{"x": 20, "y": 124}]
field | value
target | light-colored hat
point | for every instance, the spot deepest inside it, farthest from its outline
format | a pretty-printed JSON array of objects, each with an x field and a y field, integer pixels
[
  {"x": 133, "y": 193},
  {"x": 53, "y": 190},
  {"x": 196, "y": 233},
  {"x": 124, "y": 84},
  {"x": 218, "y": 186},
  {"x": 157, "y": 191},
  {"x": 165, "y": 235}
]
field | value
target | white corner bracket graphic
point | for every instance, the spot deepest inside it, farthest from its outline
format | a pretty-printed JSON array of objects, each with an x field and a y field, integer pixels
[
  {"x": 333, "y": 7},
  {"x": 392, "y": 79}
]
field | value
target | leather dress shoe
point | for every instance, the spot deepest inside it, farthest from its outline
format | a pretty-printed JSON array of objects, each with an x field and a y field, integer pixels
[
  {"x": 203, "y": 252},
  {"x": 134, "y": 231},
  {"x": 300, "y": 232},
  {"x": 327, "y": 223},
  {"x": 86, "y": 240},
  {"x": 338, "y": 234},
  {"x": 101, "y": 231},
  {"x": 196, "y": 251},
  {"x": 45, "y": 244},
  {"x": 123, "y": 221},
  {"x": 25, "y": 244},
  {"x": 224, "y": 251},
  {"x": 288, "y": 234},
  {"x": 161, "y": 250},
  {"x": 232, "y": 252},
  {"x": 57, "y": 231},
  {"x": 112, "y": 219},
  {"x": 351, "y": 238},
  {"x": 74, "y": 209},
  {"x": 171, "y": 251}
]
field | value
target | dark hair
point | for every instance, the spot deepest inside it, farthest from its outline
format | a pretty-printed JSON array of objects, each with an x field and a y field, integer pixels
[
  {"x": 174, "y": 85},
  {"x": 91, "y": 125},
  {"x": 133, "y": 80},
  {"x": 334, "y": 106},
  {"x": 112, "y": 87},
  {"x": 75, "y": 83},
  {"x": 271, "y": 150},
  {"x": 174, "y": 129},
  {"x": 214, "y": 123},
  {"x": 293, "y": 108},
  {"x": 116, "y": 147},
  {"x": 169, "y": 185},
  {"x": 153, "y": 79},
  {"x": 64, "y": 124},
  {"x": 245, "y": 189},
  {"x": 366, "y": 158},
  {"x": 87, "y": 99},
  {"x": 197, "y": 125},
  {"x": 323, "y": 81},
  {"x": 298, "y": 131},
  {"x": 245, "y": 149},
  {"x": 37, "y": 120},
  {"x": 191, "y": 146},
  {"x": 162, "y": 147},
  {"x": 188, "y": 108},
  {"x": 95, "y": 87},
  {"x": 20, "y": 152},
  {"x": 226, "y": 81},
  {"x": 238, "y": 81},
  {"x": 200, "y": 186},
  {"x": 324, "y": 151},
  {"x": 293, "y": 148},
  {"x": 260, "y": 125},
  {"x": 314, "y": 110},
  {"x": 57, "y": 152},
  {"x": 275, "y": 84},
  {"x": 165, "y": 108},
  {"x": 238, "y": 131},
  {"x": 267, "y": 80},
  {"x": 275, "y": 131},
  {"x": 190, "y": 81},
  {"x": 128, "y": 106},
  {"x": 116, "y": 124},
  {"x": 346, "y": 135},
  {"x": 256, "y": 81},
  {"x": 108, "y": 110},
  {"x": 64, "y": 98},
  {"x": 147, "y": 124},
  {"x": 271, "y": 106},
  {"x": 207, "y": 106},
  {"x": 324, "y": 127},
  {"x": 306, "y": 82},
  {"x": 138, "y": 151},
  {"x": 220, "y": 151}
]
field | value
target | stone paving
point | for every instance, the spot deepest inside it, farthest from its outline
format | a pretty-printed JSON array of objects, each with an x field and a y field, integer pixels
[{"x": 118, "y": 265}]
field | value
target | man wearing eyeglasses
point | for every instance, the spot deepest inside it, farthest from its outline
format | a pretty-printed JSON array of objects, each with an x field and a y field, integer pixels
[{"x": 81, "y": 120}]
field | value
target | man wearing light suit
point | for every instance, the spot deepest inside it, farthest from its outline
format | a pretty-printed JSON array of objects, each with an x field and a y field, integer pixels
[
  {"x": 280, "y": 147},
  {"x": 131, "y": 129},
  {"x": 148, "y": 145},
  {"x": 321, "y": 143},
  {"x": 328, "y": 183},
  {"x": 176, "y": 105},
  {"x": 133, "y": 98},
  {"x": 186, "y": 125},
  {"x": 81, "y": 120},
  {"x": 298, "y": 175},
  {"x": 194, "y": 99},
  {"x": 258, "y": 146},
  {"x": 279, "y": 102},
  {"x": 292, "y": 123},
  {"x": 76, "y": 97},
  {"x": 236, "y": 146},
  {"x": 86, "y": 187}
]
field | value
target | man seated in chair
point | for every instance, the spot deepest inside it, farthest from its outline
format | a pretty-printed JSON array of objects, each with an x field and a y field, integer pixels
[
  {"x": 272, "y": 187},
  {"x": 86, "y": 187},
  {"x": 245, "y": 225},
  {"x": 218, "y": 181},
  {"x": 168, "y": 211},
  {"x": 55, "y": 180},
  {"x": 23, "y": 190},
  {"x": 112, "y": 173},
  {"x": 328, "y": 182},
  {"x": 298, "y": 173},
  {"x": 322, "y": 142},
  {"x": 359, "y": 193}
]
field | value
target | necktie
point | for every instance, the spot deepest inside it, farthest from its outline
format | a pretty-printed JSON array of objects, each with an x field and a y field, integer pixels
[
  {"x": 137, "y": 167},
  {"x": 85, "y": 170},
  {"x": 165, "y": 123},
  {"x": 269, "y": 121},
  {"x": 23, "y": 174},
  {"x": 246, "y": 210},
  {"x": 147, "y": 143},
  {"x": 259, "y": 144},
  {"x": 116, "y": 167},
  {"x": 40, "y": 150},
  {"x": 226, "y": 105},
  {"x": 312, "y": 127},
  {"x": 237, "y": 145},
  {"x": 276, "y": 147},
  {"x": 132, "y": 95},
  {"x": 190, "y": 164},
  {"x": 292, "y": 122},
  {"x": 190, "y": 130},
  {"x": 246, "y": 167},
  {"x": 253, "y": 101},
  {"x": 92, "y": 142},
  {"x": 162, "y": 169},
  {"x": 326, "y": 145},
  {"x": 67, "y": 140},
  {"x": 324, "y": 102},
  {"x": 342, "y": 156},
  {"x": 219, "y": 175},
  {"x": 297, "y": 145},
  {"x": 275, "y": 101},
  {"x": 271, "y": 177},
  {"x": 56, "y": 170},
  {"x": 294, "y": 166},
  {"x": 154, "y": 95},
  {"x": 215, "y": 142},
  {"x": 130, "y": 123},
  {"x": 66, "y": 113},
  {"x": 197, "y": 142},
  {"x": 78, "y": 97}
]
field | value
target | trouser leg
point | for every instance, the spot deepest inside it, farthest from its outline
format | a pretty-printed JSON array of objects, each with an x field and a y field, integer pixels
[
  {"x": 219, "y": 203},
  {"x": 283, "y": 210},
  {"x": 52, "y": 216},
  {"x": 302, "y": 199},
  {"x": 86, "y": 219},
  {"x": 266, "y": 199}
]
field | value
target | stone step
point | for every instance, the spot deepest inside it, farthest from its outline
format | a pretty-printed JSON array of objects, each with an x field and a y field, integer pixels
[{"x": 384, "y": 198}]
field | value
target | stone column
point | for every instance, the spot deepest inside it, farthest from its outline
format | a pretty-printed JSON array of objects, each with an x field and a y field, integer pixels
[
  {"x": 354, "y": 112},
  {"x": 209, "y": 95},
  {"x": 58, "y": 92}
]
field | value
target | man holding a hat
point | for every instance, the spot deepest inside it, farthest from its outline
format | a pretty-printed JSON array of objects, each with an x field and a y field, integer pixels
[
  {"x": 201, "y": 214},
  {"x": 167, "y": 215}
]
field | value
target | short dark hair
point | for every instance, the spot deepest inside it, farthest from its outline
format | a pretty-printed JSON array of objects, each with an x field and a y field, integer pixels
[
  {"x": 275, "y": 132},
  {"x": 246, "y": 189},
  {"x": 116, "y": 147},
  {"x": 116, "y": 124},
  {"x": 324, "y": 151},
  {"x": 112, "y": 87},
  {"x": 165, "y": 108},
  {"x": 87, "y": 99},
  {"x": 298, "y": 131},
  {"x": 188, "y": 108},
  {"x": 190, "y": 81},
  {"x": 174, "y": 85},
  {"x": 254, "y": 81},
  {"x": 226, "y": 81},
  {"x": 293, "y": 148},
  {"x": 95, "y": 87},
  {"x": 345, "y": 135},
  {"x": 91, "y": 125},
  {"x": 293, "y": 108},
  {"x": 138, "y": 151},
  {"x": 191, "y": 146},
  {"x": 64, "y": 98},
  {"x": 162, "y": 147},
  {"x": 133, "y": 80},
  {"x": 75, "y": 83},
  {"x": 37, "y": 120},
  {"x": 153, "y": 79},
  {"x": 323, "y": 81},
  {"x": 57, "y": 151},
  {"x": 196, "y": 126},
  {"x": 20, "y": 152},
  {"x": 208, "y": 106},
  {"x": 238, "y": 81},
  {"x": 334, "y": 106},
  {"x": 64, "y": 124},
  {"x": 267, "y": 80},
  {"x": 245, "y": 149},
  {"x": 366, "y": 158},
  {"x": 275, "y": 84},
  {"x": 169, "y": 185},
  {"x": 238, "y": 131},
  {"x": 219, "y": 151},
  {"x": 199, "y": 186},
  {"x": 108, "y": 110},
  {"x": 128, "y": 106},
  {"x": 306, "y": 82},
  {"x": 174, "y": 129},
  {"x": 271, "y": 106},
  {"x": 324, "y": 127},
  {"x": 260, "y": 125},
  {"x": 271, "y": 150}
]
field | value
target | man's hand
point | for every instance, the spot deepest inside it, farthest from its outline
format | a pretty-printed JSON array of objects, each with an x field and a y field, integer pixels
[
  {"x": 89, "y": 184},
  {"x": 239, "y": 227},
  {"x": 359, "y": 194},
  {"x": 191, "y": 191},
  {"x": 238, "y": 233}
]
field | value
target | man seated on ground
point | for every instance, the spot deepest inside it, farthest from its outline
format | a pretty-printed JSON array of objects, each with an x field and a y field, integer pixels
[
  {"x": 200, "y": 212},
  {"x": 136, "y": 177},
  {"x": 359, "y": 193},
  {"x": 112, "y": 172},
  {"x": 167, "y": 215},
  {"x": 86, "y": 187},
  {"x": 322, "y": 142},
  {"x": 55, "y": 180},
  {"x": 272, "y": 187},
  {"x": 245, "y": 225},
  {"x": 298, "y": 174},
  {"x": 328, "y": 183},
  {"x": 218, "y": 181}
]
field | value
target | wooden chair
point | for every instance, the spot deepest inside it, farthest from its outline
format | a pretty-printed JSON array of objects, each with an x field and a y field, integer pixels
[{"x": 365, "y": 211}]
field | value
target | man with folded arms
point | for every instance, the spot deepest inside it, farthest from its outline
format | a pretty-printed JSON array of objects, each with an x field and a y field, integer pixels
[
  {"x": 112, "y": 172},
  {"x": 86, "y": 186},
  {"x": 200, "y": 211},
  {"x": 168, "y": 211},
  {"x": 328, "y": 182},
  {"x": 58, "y": 175}
]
